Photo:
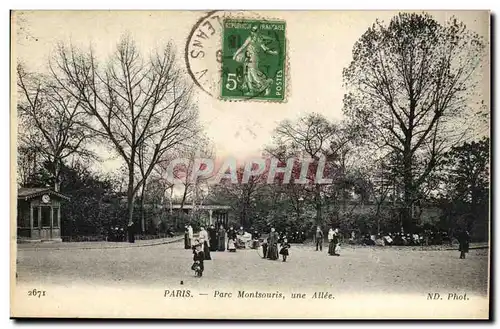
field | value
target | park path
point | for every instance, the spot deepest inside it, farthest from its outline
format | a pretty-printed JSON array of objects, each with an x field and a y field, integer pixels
[
  {"x": 155, "y": 242},
  {"x": 96, "y": 244},
  {"x": 357, "y": 270}
]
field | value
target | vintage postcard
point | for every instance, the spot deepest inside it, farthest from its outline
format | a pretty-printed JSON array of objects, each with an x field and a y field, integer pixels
[{"x": 250, "y": 164}]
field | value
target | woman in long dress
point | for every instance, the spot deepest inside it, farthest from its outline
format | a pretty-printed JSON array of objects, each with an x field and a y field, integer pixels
[
  {"x": 212, "y": 234},
  {"x": 272, "y": 251},
  {"x": 221, "y": 239},
  {"x": 204, "y": 239}
]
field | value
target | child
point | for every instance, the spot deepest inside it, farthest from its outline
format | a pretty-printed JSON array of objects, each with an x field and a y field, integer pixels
[
  {"x": 264, "y": 248},
  {"x": 284, "y": 249},
  {"x": 231, "y": 245},
  {"x": 198, "y": 258}
]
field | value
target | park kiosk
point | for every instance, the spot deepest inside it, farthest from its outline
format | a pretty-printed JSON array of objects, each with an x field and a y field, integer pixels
[{"x": 39, "y": 214}]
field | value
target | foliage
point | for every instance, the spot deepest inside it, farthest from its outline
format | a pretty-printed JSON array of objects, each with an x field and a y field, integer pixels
[
  {"x": 465, "y": 194},
  {"x": 52, "y": 124},
  {"x": 407, "y": 84},
  {"x": 93, "y": 207},
  {"x": 142, "y": 107}
]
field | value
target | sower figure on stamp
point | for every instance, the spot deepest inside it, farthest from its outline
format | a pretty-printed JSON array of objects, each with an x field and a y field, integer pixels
[
  {"x": 254, "y": 80},
  {"x": 318, "y": 236},
  {"x": 198, "y": 258},
  {"x": 463, "y": 240}
]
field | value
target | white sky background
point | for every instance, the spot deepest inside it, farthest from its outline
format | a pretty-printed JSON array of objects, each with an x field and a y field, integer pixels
[{"x": 319, "y": 47}]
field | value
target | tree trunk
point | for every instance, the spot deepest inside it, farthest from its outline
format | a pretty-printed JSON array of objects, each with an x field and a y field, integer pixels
[
  {"x": 143, "y": 224},
  {"x": 184, "y": 197},
  {"x": 171, "y": 201},
  {"x": 377, "y": 214},
  {"x": 130, "y": 205},
  {"x": 193, "y": 202},
  {"x": 318, "y": 204},
  {"x": 57, "y": 173},
  {"x": 408, "y": 189}
]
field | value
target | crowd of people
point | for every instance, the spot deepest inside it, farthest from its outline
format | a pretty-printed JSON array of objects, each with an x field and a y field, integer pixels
[
  {"x": 276, "y": 243},
  {"x": 213, "y": 240},
  {"x": 425, "y": 238}
]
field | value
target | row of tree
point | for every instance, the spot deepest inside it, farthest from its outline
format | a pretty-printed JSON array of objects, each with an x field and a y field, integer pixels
[{"x": 139, "y": 108}]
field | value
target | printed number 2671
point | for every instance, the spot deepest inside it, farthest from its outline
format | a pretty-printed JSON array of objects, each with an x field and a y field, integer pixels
[{"x": 36, "y": 293}]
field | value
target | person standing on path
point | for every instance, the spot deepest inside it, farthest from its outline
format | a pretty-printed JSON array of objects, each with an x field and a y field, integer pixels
[
  {"x": 319, "y": 239},
  {"x": 221, "y": 239},
  {"x": 187, "y": 240},
  {"x": 331, "y": 244},
  {"x": 463, "y": 240},
  {"x": 336, "y": 242},
  {"x": 198, "y": 258},
  {"x": 191, "y": 235},
  {"x": 284, "y": 249},
  {"x": 212, "y": 234},
  {"x": 231, "y": 239},
  {"x": 272, "y": 249}
]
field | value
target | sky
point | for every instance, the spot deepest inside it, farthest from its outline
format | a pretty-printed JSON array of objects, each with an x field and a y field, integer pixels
[{"x": 319, "y": 46}]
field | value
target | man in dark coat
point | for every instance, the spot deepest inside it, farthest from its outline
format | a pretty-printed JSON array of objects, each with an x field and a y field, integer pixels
[
  {"x": 131, "y": 232},
  {"x": 272, "y": 241}
]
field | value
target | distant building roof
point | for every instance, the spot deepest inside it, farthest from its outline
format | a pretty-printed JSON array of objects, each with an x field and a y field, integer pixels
[{"x": 33, "y": 192}]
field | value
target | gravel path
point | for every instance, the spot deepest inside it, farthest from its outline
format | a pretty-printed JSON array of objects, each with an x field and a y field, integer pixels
[
  {"x": 96, "y": 244},
  {"x": 357, "y": 270}
]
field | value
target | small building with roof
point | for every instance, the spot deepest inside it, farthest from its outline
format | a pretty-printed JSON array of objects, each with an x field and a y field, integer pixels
[{"x": 39, "y": 214}]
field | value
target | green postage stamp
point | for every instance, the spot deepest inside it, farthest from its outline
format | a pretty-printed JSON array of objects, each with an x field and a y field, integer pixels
[{"x": 253, "y": 60}]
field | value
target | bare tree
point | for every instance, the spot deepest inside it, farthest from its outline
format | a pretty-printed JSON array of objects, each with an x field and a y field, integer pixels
[
  {"x": 407, "y": 84},
  {"x": 201, "y": 147},
  {"x": 52, "y": 123},
  {"x": 313, "y": 137},
  {"x": 138, "y": 105}
]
